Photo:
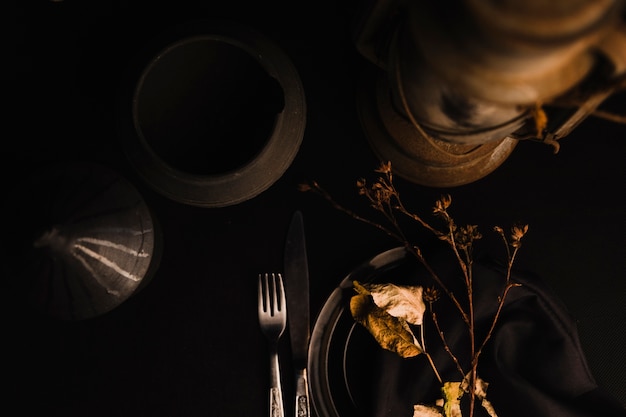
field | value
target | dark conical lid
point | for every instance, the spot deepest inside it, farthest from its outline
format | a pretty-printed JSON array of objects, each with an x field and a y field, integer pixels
[{"x": 81, "y": 241}]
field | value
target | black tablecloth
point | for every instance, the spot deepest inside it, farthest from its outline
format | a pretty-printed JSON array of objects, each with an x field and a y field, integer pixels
[{"x": 188, "y": 343}]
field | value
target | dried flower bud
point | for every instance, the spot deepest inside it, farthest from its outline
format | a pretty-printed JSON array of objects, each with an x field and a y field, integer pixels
[
  {"x": 466, "y": 235},
  {"x": 442, "y": 204},
  {"x": 382, "y": 192},
  {"x": 430, "y": 295},
  {"x": 361, "y": 185},
  {"x": 517, "y": 233},
  {"x": 384, "y": 168},
  {"x": 304, "y": 187}
]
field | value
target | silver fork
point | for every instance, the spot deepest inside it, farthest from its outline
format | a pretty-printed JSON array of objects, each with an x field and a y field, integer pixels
[{"x": 273, "y": 319}]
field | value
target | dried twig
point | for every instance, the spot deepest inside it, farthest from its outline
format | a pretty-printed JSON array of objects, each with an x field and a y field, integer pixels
[{"x": 383, "y": 197}]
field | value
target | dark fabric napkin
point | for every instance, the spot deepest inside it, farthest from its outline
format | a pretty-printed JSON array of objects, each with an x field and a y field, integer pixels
[{"x": 534, "y": 362}]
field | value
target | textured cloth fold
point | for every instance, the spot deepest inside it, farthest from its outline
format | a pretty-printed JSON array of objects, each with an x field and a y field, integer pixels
[{"x": 534, "y": 362}]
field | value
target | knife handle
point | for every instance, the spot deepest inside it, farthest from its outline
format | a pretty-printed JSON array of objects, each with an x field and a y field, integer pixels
[{"x": 303, "y": 408}]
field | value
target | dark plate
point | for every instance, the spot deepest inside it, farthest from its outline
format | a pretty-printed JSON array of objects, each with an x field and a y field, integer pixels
[{"x": 345, "y": 363}]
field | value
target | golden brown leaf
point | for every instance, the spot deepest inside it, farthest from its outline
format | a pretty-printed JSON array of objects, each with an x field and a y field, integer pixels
[{"x": 389, "y": 331}]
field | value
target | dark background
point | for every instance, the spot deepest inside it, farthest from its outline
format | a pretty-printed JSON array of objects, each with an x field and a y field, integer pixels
[{"x": 189, "y": 344}]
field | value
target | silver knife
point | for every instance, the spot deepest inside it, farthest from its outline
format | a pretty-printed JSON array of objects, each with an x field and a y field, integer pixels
[{"x": 296, "y": 276}]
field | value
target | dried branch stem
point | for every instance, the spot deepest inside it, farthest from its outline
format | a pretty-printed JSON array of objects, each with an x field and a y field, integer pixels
[
  {"x": 383, "y": 197},
  {"x": 445, "y": 344}
]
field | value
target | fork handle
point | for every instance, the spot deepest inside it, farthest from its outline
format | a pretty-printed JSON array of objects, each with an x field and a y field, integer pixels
[{"x": 276, "y": 391}]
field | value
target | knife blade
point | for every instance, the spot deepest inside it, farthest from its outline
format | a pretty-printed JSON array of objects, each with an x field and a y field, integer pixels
[{"x": 296, "y": 276}]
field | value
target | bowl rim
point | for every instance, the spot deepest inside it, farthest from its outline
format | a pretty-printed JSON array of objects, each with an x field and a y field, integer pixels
[{"x": 264, "y": 169}]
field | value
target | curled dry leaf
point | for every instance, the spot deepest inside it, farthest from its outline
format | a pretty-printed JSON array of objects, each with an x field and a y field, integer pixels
[
  {"x": 390, "y": 332},
  {"x": 404, "y": 302}
]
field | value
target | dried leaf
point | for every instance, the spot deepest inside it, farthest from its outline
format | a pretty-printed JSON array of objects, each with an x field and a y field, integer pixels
[
  {"x": 480, "y": 390},
  {"x": 421, "y": 410},
  {"x": 404, "y": 302},
  {"x": 487, "y": 406},
  {"x": 390, "y": 332},
  {"x": 452, "y": 393}
]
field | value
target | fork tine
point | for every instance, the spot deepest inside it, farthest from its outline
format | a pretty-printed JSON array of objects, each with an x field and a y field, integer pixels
[
  {"x": 273, "y": 292},
  {"x": 261, "y": 302},
  {"x": 268, "y": 295},
  {"x": 277, "y": 294},
  {"x": 281, "y": 293}
]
